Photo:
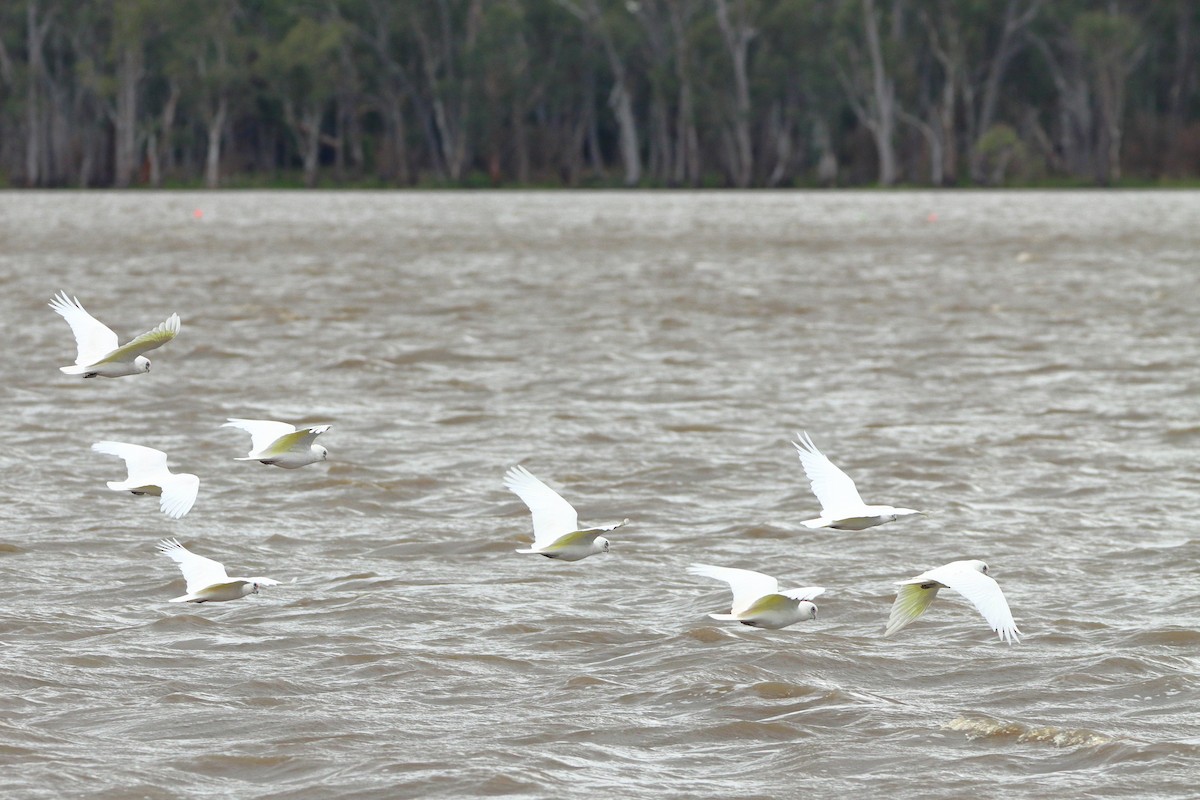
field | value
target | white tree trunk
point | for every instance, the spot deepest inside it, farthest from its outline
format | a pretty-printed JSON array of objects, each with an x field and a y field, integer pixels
[{"x": 212, "y": 160}]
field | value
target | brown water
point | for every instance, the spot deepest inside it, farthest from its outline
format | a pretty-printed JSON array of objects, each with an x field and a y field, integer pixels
[{"x": 1025, "y": 366}]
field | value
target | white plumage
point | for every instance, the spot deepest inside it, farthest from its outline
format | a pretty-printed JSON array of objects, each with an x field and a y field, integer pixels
[
  {"x": 968, "y": 578},
  {"x": 841, "y": 506},
  {"x": 757, "y": 599},
  {"x": 280, "y": 444},
  {"x": 206, "y": 579},
  {"x": 148, "y": 474},
  {"x": 556, "y": 532},
  {"x": 99, "y": 352}
]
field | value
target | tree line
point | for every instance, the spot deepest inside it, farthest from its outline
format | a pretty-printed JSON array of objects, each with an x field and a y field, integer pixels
[{"x": 685, "y": 93}]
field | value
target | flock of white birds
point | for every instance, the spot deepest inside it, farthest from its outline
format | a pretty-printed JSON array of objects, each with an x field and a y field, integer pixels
[{"x": 757, "y": 599}]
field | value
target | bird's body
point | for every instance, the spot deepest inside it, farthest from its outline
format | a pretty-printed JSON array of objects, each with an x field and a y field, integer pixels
[
  {"x": 207, "y": 581},
  {"x": 99, "y": 352},
  {"x": 148, "y": 474},
  {"x": 280, "y": 444},
  {"x": 556, "y": 532},
  {"x": 842, "y": 508},
  {"x": 968, "y": 578},
  {"x": 757, "y": 599}
]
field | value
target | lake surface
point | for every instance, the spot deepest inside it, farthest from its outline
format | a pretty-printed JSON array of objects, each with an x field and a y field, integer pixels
[{"x": 1025, "y": 366}]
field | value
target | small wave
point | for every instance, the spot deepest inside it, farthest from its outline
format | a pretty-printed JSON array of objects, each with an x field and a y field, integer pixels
[
  {"x": 1174, "y": 637},
  {"x": 975, "y": 728},
  {"x": 464, "y": 419},
  {"x": 441, "y": 355}
]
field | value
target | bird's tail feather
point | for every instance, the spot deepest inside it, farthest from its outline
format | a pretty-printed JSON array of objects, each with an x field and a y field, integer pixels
[{"x": 75, "y": 369}]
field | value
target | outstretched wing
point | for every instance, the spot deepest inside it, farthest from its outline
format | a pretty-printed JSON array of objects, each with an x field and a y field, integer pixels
[
  {"x": 198, "y": 571},
  {"x": 911, "y": 602},
  {"x": 93, "y": 339},
  {"x": 142, "y": 462},
  {"x": 747, "y": 585},
  {"x": 984, "y": 592},
  {"x": 833, "y": 488},
  {"x": 806, "y": 593},
  {"x": 147, "y": 341},
  {"x": 179, "y": 494},
  {"x": 552, "y": 516},
  {"x": 263, "y": 432},
  {"x": 299, "y": 440}
]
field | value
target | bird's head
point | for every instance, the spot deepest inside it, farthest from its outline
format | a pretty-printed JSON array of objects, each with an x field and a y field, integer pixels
[
  {"x": 322, "y": 452},
  {"x": 142, "y": 363},
  {"x": 807, "y": 609},
  {"x": 600, "y": 545},
  {"x": 979, "y": 566}
]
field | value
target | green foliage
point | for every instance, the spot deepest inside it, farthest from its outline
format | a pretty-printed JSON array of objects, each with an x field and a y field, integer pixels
[
  {"x": 1002, "y": 153},
  {"x": 491, "y": 92}
]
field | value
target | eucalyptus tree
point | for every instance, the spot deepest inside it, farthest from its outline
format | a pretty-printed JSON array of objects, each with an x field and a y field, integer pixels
[
  {"x": 446, "y": 33},
  {"x": 37, "y": 24},
  {"x": 299, "y": 61},
  {"x": 866, "y": 74},
  {"x": 797, "y": 84},
  {"x": 379, "y": 30},
  {"x": 1090, "y": 55},
  {"x": 614, "y": 28},
  {"x": 738, "y": 31},
  {"x": 1179, "y": 29}
]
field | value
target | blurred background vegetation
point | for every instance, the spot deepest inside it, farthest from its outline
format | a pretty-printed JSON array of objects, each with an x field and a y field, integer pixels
[{"x": 738, "y": 93}]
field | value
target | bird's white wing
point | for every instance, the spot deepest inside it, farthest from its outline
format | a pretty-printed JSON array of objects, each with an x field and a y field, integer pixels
[
  {"x": 263, "y": 432},
  {"x": 833, "y": 488},
  {"x": 911, "y": 602},
  {"x": 198, "y": 571},
  {"x": 299, "y": 440},
  {"x": 746, "y": 584},
  {"x": 149, "y": 340},
  {"x": 93, "y": 339},
  {"x": 179, "y": 494},
  {"x": 806, "y": 593},
  {"x": 552, "y": 515},
  {"x": 984, "y": 592},
  {"x": 142, "y": 462}
]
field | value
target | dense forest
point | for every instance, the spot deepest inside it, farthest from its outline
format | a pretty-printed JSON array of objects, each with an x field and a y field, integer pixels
[{"x": 684, "y": 93}]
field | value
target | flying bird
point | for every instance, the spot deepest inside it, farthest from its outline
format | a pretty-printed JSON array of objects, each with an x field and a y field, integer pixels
[
  {"x": 99, "y": 351},
  {"x": 968, "y": 578},
  {"x": 757, "y": 600},
  {"x": 841, "y": 506},
  {"x": 556, "y": 532},
  {"x": 206, "y": 579},
  {"x": 148, "y": 474},
  {"x": 281, "y": 444}
]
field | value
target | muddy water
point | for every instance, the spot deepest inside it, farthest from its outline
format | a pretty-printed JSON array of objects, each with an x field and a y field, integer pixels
[{"x": 1024, "y": 366}]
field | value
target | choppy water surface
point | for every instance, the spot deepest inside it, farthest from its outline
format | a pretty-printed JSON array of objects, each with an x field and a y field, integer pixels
[{"x": 1023, "y": 365}]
